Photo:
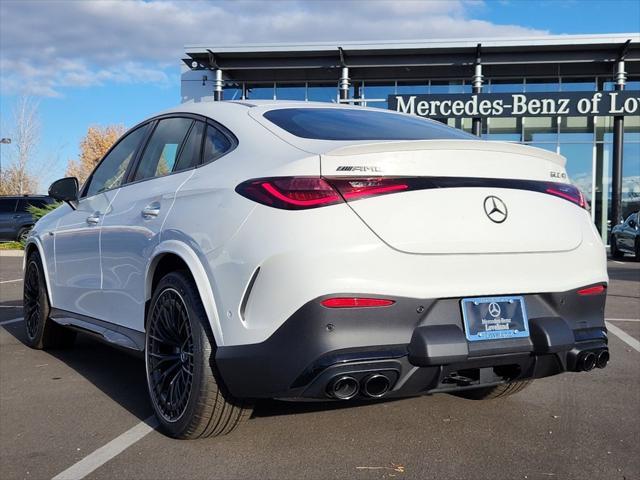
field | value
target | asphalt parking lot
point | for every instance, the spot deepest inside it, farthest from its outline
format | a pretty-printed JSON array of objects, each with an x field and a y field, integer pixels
[{"x": 81, "y": 413}]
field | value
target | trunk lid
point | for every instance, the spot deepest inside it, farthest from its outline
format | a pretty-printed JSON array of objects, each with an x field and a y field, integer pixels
[{"x": 460, "y": 183}]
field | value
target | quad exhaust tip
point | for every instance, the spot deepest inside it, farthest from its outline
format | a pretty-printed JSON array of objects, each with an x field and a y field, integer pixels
[
  {"x": 343, "y": 388},
  {"x": 603, "y": 359},
  {"x": 375, "y": 386},
  {"x": 588, "y": 361}
]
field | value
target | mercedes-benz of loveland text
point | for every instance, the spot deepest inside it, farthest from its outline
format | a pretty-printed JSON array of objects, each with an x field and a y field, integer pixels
[{"x": 319, "y": 252}]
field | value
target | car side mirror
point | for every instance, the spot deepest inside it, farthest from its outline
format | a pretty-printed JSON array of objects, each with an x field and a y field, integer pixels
[{"x": 65, "y": 190}]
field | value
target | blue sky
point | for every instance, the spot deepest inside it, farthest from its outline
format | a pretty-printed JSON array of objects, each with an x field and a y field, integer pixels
[{"x": 99, "y": 63}]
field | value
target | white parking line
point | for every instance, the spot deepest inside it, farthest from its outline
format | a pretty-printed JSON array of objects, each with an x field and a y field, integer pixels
[
  {"x": 622, "y": 319},
  {"x": 11, "y": 281},
  {"x": 14, "y": 320},
  {"x": 625, "y": 337},
  {"x": 102, "y": 455}
]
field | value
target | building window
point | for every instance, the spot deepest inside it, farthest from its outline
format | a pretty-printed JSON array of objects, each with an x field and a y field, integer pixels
[
  {"x": 507, "y": 85},
  {"x": 324, "y": 92},
  {"x": 232, "y": 91},
  {"x": 569, "y": 84},
  {"x": 259, "y": 91},
  {"x": 412, "y": 88},
  {"x": 375, "y": 93},
  {"x": 291, "y": 91}
]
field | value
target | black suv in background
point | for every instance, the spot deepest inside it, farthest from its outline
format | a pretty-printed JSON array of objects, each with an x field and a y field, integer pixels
[{"x": 15, "y": 220}]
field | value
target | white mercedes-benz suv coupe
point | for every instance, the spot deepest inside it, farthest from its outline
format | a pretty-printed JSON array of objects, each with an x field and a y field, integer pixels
[{"x": 312, "y": 251}]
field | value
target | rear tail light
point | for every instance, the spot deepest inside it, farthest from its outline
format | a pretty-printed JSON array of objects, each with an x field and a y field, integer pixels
[
  {"x": 356, "y": 302},
  {"x": 290, "y": 193},
  {"x": 299, "y": 193},
  {"x": 595, "y": 290},
  {"x": 568, "y": 192}
]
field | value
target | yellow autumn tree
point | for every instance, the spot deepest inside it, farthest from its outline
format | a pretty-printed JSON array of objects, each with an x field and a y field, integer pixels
[{"x": 93, "y": 146}]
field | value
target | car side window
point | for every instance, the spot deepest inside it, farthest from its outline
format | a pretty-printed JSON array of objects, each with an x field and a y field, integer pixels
[
  {"x": 161, "y": 152},
  {"x": 7, "y": 205},
  {"x": 24, "y": 203},
  {"x": 216, "y": 144},
  {"x": 190, "y": 154},
  {"x": 111, "y": 172}
]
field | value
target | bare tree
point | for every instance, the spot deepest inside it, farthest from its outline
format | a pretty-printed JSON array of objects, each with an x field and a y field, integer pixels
[{"x": 17, "y": 178}]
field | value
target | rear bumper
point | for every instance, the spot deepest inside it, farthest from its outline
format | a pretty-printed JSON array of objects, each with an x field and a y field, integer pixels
[{"x": 417, "y": 344}]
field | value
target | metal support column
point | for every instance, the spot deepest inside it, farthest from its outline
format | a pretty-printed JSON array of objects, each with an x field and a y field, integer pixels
[
  {"x": 344, "y": 84},
  {"x": 476, "y": 124},
  {"x": 618, "y": 143},
  {"x": 217, "y": 86}
]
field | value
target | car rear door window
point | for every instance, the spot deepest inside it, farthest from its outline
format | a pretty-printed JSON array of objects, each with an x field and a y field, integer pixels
[
  {"x": 111, "y": 171},
  {"x": 353, "y": 124},
  {"x": 162, "y": 151},
  {"x": 25, "y": 203},
  {"x": 216, "y": 144},
  {"x": 7, "y": 205},
  {"x": 190, "y": 154}
]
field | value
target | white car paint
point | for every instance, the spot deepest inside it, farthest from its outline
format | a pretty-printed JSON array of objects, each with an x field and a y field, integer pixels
[{"x": 423, "y": 244}]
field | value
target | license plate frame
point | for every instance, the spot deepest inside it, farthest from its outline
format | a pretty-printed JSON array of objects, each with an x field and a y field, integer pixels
[{"x": 497, "y": 322}]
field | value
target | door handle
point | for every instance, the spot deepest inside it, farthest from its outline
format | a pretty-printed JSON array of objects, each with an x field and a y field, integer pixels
[
  {"x": 152, "y": 210},
  {"x": 93, "y": 219}
]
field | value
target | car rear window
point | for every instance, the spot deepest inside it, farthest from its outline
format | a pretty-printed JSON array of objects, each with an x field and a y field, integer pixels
[
  {"x": 351, "y": 124},
  {"x": 7, "y": 205}
]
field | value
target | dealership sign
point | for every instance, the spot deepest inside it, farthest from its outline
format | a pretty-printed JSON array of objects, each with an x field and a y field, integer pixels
[{"x": 538, "y": 104}]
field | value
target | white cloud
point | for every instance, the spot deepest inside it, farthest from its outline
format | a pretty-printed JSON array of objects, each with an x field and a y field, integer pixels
[{"x": 48, "y": 46}]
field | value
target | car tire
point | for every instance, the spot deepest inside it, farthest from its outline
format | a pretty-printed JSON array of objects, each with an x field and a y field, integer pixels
[
  {"x": 42, "y": 333},
  {"x": 637, "y": 252},
  {"x": 187, "y": 394},
  {"x": 615, "y": 252},
  {"x": 497, "y": 391},
  {"x": 23, "y": 233}
]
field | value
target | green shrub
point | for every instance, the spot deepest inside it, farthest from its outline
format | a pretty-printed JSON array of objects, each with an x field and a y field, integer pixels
[{"x": 38, "y": 213}]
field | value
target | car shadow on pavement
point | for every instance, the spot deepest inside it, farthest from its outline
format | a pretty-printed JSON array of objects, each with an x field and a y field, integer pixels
[
  {"x": 120, "y": 375},
  {"x": 117, "y": 373},
  {"x": 274, "y": 408}
]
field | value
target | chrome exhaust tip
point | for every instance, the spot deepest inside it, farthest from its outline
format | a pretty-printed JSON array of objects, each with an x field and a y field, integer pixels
[
  {"x": 603, "y": 359},
  {"x": 343, "y": 388},
  {"x": 375, "y": 386}
]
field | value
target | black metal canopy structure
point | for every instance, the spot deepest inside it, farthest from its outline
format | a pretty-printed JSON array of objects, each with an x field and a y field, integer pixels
[{"x": 566, "y": 55}]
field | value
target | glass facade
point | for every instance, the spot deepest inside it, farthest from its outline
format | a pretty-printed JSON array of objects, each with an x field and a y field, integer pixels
[{"x": 586, "y": 142}]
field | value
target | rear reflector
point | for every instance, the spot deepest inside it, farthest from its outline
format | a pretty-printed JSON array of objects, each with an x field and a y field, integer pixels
[
  {"x": 356, "y": 302},
  {"x": 597, "y": 290}
]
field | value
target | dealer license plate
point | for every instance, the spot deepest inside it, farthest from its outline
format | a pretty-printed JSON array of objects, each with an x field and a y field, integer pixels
[{"x": 494, "y": 318}]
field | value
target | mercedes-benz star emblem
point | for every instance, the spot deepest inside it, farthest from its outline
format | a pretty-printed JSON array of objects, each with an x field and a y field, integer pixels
[
  {"x": 494, "y": 310},
  {"x": 495, "y": 209}
]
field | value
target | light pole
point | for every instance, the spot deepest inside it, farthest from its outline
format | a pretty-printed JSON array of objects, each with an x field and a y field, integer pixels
[{"x": 5, "y": 141}]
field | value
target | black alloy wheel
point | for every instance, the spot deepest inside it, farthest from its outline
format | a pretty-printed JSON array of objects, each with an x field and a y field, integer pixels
[
  {"x": 187, "y": 394},
  {"x": 170, "y": 355},
  {"x": 42, "y": 332},
  {"x": 32, "y": 307}
]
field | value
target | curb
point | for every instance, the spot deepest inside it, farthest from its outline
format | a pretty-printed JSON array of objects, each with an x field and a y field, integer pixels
[{"x": 11, "y": 253}]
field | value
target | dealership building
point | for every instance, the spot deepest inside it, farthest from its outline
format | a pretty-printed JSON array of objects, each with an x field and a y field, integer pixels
[{"x": 577, "y": 95}]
